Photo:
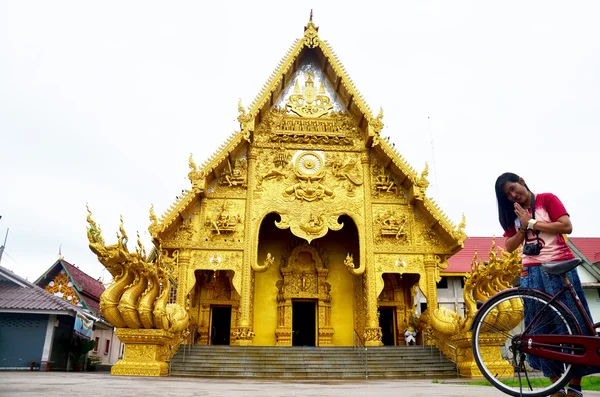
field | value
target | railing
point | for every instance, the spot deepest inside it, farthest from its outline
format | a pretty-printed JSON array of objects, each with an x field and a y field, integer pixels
[
  {"x": 441, "y": 344},
  {"x": 187, "y": 347},
  {"x": 359, "y": 345}
]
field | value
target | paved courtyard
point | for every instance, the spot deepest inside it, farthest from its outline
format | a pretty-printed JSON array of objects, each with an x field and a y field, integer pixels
[{"x": 104, "y": 385}]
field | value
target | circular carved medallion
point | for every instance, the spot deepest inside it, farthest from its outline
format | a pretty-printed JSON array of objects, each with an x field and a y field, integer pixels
[{"x": 309, "y": 163}]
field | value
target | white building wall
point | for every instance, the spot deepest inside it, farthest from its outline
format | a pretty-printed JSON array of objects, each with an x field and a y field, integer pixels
[
  {"x": 450, "y": 297},
  {"x": 112, "y": 354}
]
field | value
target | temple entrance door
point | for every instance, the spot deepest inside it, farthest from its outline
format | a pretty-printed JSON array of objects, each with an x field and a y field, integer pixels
[
  {"x": 304, "y": 314},
  {"x": 220, "y": 328},
  {"x": 387, "y": 324}
]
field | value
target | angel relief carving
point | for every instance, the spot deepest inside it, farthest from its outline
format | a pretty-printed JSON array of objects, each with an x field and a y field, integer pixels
[
  {"x": 223, "y": 222},
  {"x": 315, "y": 224},
  {"x": 383, "y": 182},
  {"x": 280, "y": 162},
  {"x": 392, "y": 225},
  {"x": 347, "y": 170},
  {"x": 186, "y": 231},
  {"x": 234, "y": 175}
]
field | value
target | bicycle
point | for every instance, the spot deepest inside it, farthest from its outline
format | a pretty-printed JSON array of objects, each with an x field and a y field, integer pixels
[{"x": 538, "y": 354}]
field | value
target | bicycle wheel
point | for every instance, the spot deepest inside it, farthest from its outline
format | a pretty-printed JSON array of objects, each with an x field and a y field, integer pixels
[{"x": 496, "y": 333}]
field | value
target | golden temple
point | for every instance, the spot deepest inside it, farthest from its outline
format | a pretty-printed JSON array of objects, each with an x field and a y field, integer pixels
[{"x": 297, "y": 231}]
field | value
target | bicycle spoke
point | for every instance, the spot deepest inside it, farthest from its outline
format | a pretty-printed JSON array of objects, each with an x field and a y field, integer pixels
[{"x": 497, "y": 343}]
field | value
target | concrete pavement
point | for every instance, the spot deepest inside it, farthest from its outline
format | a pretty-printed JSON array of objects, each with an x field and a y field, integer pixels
[{"x": 94, "y": 384}]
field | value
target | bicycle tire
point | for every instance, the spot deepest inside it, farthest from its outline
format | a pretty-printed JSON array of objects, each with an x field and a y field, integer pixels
[{"x": 514, "y": 372}]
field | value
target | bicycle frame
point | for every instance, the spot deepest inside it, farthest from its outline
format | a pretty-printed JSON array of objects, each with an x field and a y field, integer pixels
[{"x": 583, "y": 349}]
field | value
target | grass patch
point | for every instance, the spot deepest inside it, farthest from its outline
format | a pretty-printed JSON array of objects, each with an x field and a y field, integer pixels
[{"x": 587, "y": 383}]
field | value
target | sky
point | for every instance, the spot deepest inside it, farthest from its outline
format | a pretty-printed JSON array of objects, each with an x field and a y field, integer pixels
[{"x": 103, "y": 102}]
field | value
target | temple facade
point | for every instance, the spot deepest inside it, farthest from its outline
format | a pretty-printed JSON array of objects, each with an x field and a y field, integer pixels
[{"x": 305, "y": 228}]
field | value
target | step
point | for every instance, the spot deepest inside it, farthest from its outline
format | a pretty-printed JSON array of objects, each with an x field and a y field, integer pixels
[{"x": 333, "y": 362}]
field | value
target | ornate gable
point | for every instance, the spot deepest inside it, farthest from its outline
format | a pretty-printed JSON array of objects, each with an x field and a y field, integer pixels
[
  {"x": 310, "y": 102},
  {"x": 72, "y": 285}
]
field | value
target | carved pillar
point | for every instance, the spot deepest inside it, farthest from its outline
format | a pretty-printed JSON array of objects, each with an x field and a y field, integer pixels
[
  {"x": 244, "y": 335},
  {"x": 429, "y": 288},
  {"x": 372, "y": 329},
  {"x": 183, "y": 261},
  {"x": 204, "y": 320},
  {"x": 431, "y": 273}
]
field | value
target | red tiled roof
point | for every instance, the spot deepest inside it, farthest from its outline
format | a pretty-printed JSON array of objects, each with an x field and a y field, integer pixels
[
  {"x": 87, "y": 288},
  {"x": 461, "y": 261},
  {"x": 588, "y": 246},
  {"x": 94, "y": 305},
  {"x": 84, "y": 283}
]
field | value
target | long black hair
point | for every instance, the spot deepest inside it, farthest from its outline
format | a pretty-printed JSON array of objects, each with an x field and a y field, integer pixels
[{"x": 506, "y": 209}]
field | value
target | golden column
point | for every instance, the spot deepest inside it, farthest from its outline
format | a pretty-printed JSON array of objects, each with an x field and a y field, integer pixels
[
  {"x": 429, "y": 289},
  {"x": 431, "y": 270},
  {"x": 183, "y": 261},
  {"x": 244, "y": 334},
  {"x": 372, "y": 329}
]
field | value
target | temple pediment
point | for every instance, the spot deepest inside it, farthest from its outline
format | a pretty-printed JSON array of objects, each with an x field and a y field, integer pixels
[{"x": 309, "y": 103}]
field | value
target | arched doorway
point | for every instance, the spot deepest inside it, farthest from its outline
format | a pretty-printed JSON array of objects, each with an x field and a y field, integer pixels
[
  {"x": 214, "y": 307},
  {"x": 396, "y": 306}
]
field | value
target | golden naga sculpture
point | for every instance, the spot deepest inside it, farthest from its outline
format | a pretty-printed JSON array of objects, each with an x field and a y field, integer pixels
[
  {"x": 447, "y": 328},
  {"x": 484, "y": 281},
  {"x": 269, "y": 260},
  {"x": 351, "y": 267},
  {"x": 128, "y": 301}
]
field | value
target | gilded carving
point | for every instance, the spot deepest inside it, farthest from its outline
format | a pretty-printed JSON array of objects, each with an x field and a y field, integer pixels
[
  {"x": 222, "y": 222},
  {"x": 128, "y": 301},
  {"x": 308, "y": 102},
  {"x": 170, "y": 263},
  {"x": 304, "y": 276},
  {"x": 373, "y": 334},
  {"x": 220, "y": 260},
  {"x": 392, "y": 225},
  {"x": 309, "y": 226},
  {"x": 269, "y": 260},
  {"x": 309, "y": 170},
  {"x": 334, "y": 129},
  {"x": 234, "y": 175},
  {"x": 196, "y": 176},
  {"x": 385, "y": 185},
  {"x": 280, "y": 161},
  {"x": 347, "y": 170},
  {"x": 185, "y": 231},
  {"x": 446, "y": 327}
]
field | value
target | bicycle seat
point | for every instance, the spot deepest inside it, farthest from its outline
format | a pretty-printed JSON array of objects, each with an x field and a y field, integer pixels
[{"x": 561, "y": 266}]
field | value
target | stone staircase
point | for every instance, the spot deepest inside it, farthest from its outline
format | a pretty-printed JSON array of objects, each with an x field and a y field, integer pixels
[{"x": 277, "y": 362}]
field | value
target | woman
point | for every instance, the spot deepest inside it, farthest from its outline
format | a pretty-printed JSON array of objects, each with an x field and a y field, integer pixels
[{"x": 550, "y": 224}]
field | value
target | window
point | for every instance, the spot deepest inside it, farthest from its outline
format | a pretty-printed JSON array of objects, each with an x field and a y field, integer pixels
[
  {"x": 107, "y": 347},
  {"x": 97, "y": 344},
  {"x": 423, "y": 306},
  {"x": 443, "y": 283},
  {"x": 173, "y": 295}
]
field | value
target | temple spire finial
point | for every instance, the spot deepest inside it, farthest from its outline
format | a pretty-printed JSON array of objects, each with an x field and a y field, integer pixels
[{"x": 311, "y": 32}]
